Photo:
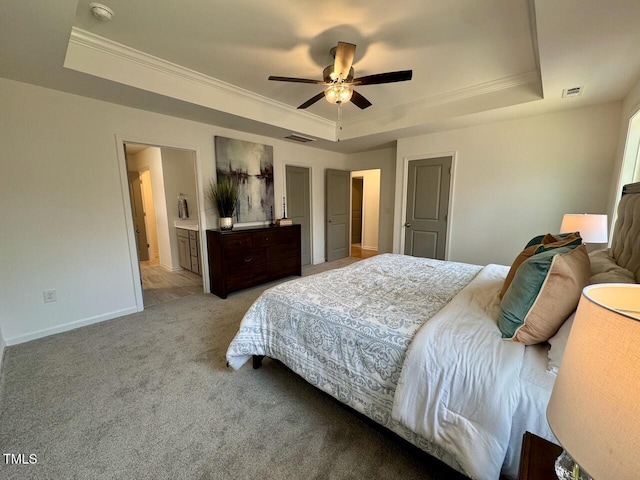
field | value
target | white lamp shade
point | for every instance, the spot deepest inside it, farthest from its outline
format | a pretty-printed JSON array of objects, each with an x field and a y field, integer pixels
[
  {"x": 594, "y": 410},
  {"x": 592, "y": 227}
]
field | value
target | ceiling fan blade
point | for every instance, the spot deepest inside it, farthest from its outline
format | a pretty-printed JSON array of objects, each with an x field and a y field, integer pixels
[
  {"x": 359, "y": 101},
  {"x": 345, "y": 53},
  {"x": 312, "y": 100},
  {"x": 389, "y": 77},
  {"x": 296, "y": 80}
]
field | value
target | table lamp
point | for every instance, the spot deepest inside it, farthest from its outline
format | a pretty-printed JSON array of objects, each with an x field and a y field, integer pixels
[
  {"x": 594, "y": 410},
  {"x": 592, "y": 227}
]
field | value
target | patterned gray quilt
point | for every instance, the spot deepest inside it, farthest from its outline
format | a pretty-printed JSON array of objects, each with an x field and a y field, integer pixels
[{"x": 346, "y": 331}]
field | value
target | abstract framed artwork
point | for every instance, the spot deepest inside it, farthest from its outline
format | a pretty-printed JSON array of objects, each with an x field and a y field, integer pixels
[{"x": 252, "y": 164}]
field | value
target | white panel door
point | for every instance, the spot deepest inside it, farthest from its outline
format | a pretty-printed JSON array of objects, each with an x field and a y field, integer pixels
[
  {"x": 299, "y": 206},
  {"x": 337, "y": 195},
  {"x": 427, "y": 206}
]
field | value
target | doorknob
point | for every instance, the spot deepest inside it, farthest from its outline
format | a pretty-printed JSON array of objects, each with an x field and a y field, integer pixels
[
  {"x": 407, "y": 224},
  {"x": 329, "y": 221},
  {"x": 137, "y": 231}
]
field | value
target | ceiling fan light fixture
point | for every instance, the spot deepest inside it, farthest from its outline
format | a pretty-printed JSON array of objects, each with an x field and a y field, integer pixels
[
  {"x": 338, "y": 93},
  {"x": 338, "y": 86}
]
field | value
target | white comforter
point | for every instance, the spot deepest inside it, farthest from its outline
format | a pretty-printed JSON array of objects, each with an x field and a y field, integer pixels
[
  {"x": 459, "y": 386},
  {"x": 346, "y": 331}
]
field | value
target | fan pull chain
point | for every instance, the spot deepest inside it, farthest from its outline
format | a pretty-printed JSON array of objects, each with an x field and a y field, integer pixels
[{"x": 339, "y": 121}]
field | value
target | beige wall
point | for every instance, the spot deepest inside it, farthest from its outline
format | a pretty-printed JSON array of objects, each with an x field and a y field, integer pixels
[
  {"x": 69, "y": 229},
  {"x": 515, "y": 179},
  {"x": 62, "y": 195}
]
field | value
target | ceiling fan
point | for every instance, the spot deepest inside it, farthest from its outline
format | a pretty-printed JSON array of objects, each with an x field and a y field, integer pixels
[{"x": 339, "y": 80}]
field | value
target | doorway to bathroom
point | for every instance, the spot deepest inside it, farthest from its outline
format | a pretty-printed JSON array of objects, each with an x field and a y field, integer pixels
[
  {"x": 165, "y": 213},
  {"x": 365, "y": 212}
]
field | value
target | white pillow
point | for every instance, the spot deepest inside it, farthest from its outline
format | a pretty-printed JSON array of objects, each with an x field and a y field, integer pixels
[{"x": 558, "y": 343}]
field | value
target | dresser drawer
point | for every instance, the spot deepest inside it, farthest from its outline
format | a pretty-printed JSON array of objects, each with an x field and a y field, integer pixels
[
  {"x": 193, "y": 235},
  {"x": 280, "y": 252},
  {"x": 266, "y": 238},
  {"x": 246, "y": 276},
  {"x": 245, "y": 258},
  {"x": 284, "y": 267},
  {"x": 241, "y": 240},
  {"x": 181, "y": 232},
  {"x": 288, "y": 235}
]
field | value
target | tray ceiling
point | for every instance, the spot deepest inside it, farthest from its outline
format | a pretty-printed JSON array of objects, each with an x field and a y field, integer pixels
[{"x": 472, "y": 61}]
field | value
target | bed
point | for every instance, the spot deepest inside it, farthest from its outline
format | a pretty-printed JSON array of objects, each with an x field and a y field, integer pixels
[{"x": 418, "y": 345}]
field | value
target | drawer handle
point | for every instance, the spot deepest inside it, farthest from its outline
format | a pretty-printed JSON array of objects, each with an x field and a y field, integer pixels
[{"x": 247, "y": 259}]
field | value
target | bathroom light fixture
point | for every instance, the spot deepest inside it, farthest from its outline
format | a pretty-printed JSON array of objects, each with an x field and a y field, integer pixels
[{"x": 101, "y": 11}]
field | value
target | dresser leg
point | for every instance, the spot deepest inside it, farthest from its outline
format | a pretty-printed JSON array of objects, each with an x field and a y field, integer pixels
[{"x": 257, "y": 361}]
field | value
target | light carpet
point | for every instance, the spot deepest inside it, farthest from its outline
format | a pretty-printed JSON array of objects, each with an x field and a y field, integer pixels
[{"x": 148, "y": 396}]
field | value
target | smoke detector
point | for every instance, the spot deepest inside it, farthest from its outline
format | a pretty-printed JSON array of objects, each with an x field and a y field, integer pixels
[{"x": 101, "y": 11}]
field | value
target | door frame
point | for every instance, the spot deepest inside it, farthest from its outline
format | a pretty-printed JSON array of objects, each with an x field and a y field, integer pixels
[
  {"x": 284, "y": 187},
  {"x": 136, "y": 277},
  {"x": 405, "y": 181}
]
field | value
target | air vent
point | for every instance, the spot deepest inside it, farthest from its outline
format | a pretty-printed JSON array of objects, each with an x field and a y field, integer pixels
[
  {"x": 299, "y": 138},
  {"x": 572, "y": 92}
]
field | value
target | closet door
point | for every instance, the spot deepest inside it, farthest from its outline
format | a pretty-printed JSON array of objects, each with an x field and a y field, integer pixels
[
  {"x": 299, "y": 205},
  {"x": 337, "y": 196},
  {"x": 427, "y": 206}
]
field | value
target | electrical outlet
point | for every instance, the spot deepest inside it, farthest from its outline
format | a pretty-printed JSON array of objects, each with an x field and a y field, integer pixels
[{"x": 49, "y": 296}]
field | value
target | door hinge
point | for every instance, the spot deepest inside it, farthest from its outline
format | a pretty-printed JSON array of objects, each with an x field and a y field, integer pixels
[{"x": 446, "y": 217}]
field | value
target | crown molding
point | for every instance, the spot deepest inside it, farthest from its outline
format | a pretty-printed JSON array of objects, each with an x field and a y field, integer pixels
[
  {"x": 99, "y": 56},
  {"x": 493, "y": 86},
  {"x": 98, "y": 46}
]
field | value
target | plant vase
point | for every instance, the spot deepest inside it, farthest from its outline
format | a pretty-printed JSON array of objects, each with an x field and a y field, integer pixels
[
  {"x": 225, "y": 223},
  {"x": 223, "y": 196}
]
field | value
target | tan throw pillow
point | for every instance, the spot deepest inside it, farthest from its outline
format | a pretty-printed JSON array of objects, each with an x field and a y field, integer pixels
[
  {"x": 537, "y": 245},
  {"x": 544, "y": 292}
]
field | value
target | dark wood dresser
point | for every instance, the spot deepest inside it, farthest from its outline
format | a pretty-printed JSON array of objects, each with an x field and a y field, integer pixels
[{"x": 244, "y": 257}]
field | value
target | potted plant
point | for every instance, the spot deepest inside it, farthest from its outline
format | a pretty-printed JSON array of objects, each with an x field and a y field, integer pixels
[{"x": 224, "y": 198}]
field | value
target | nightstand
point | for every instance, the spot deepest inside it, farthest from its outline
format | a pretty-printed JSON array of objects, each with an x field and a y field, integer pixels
[{"x": 538, "y": 458}]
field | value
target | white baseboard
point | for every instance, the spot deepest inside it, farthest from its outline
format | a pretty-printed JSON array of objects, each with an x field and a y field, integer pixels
[
  {"x": 2, "y": 345},
  {"x": 373, "y": 249},
  {"x": 69, "y": 326}
]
